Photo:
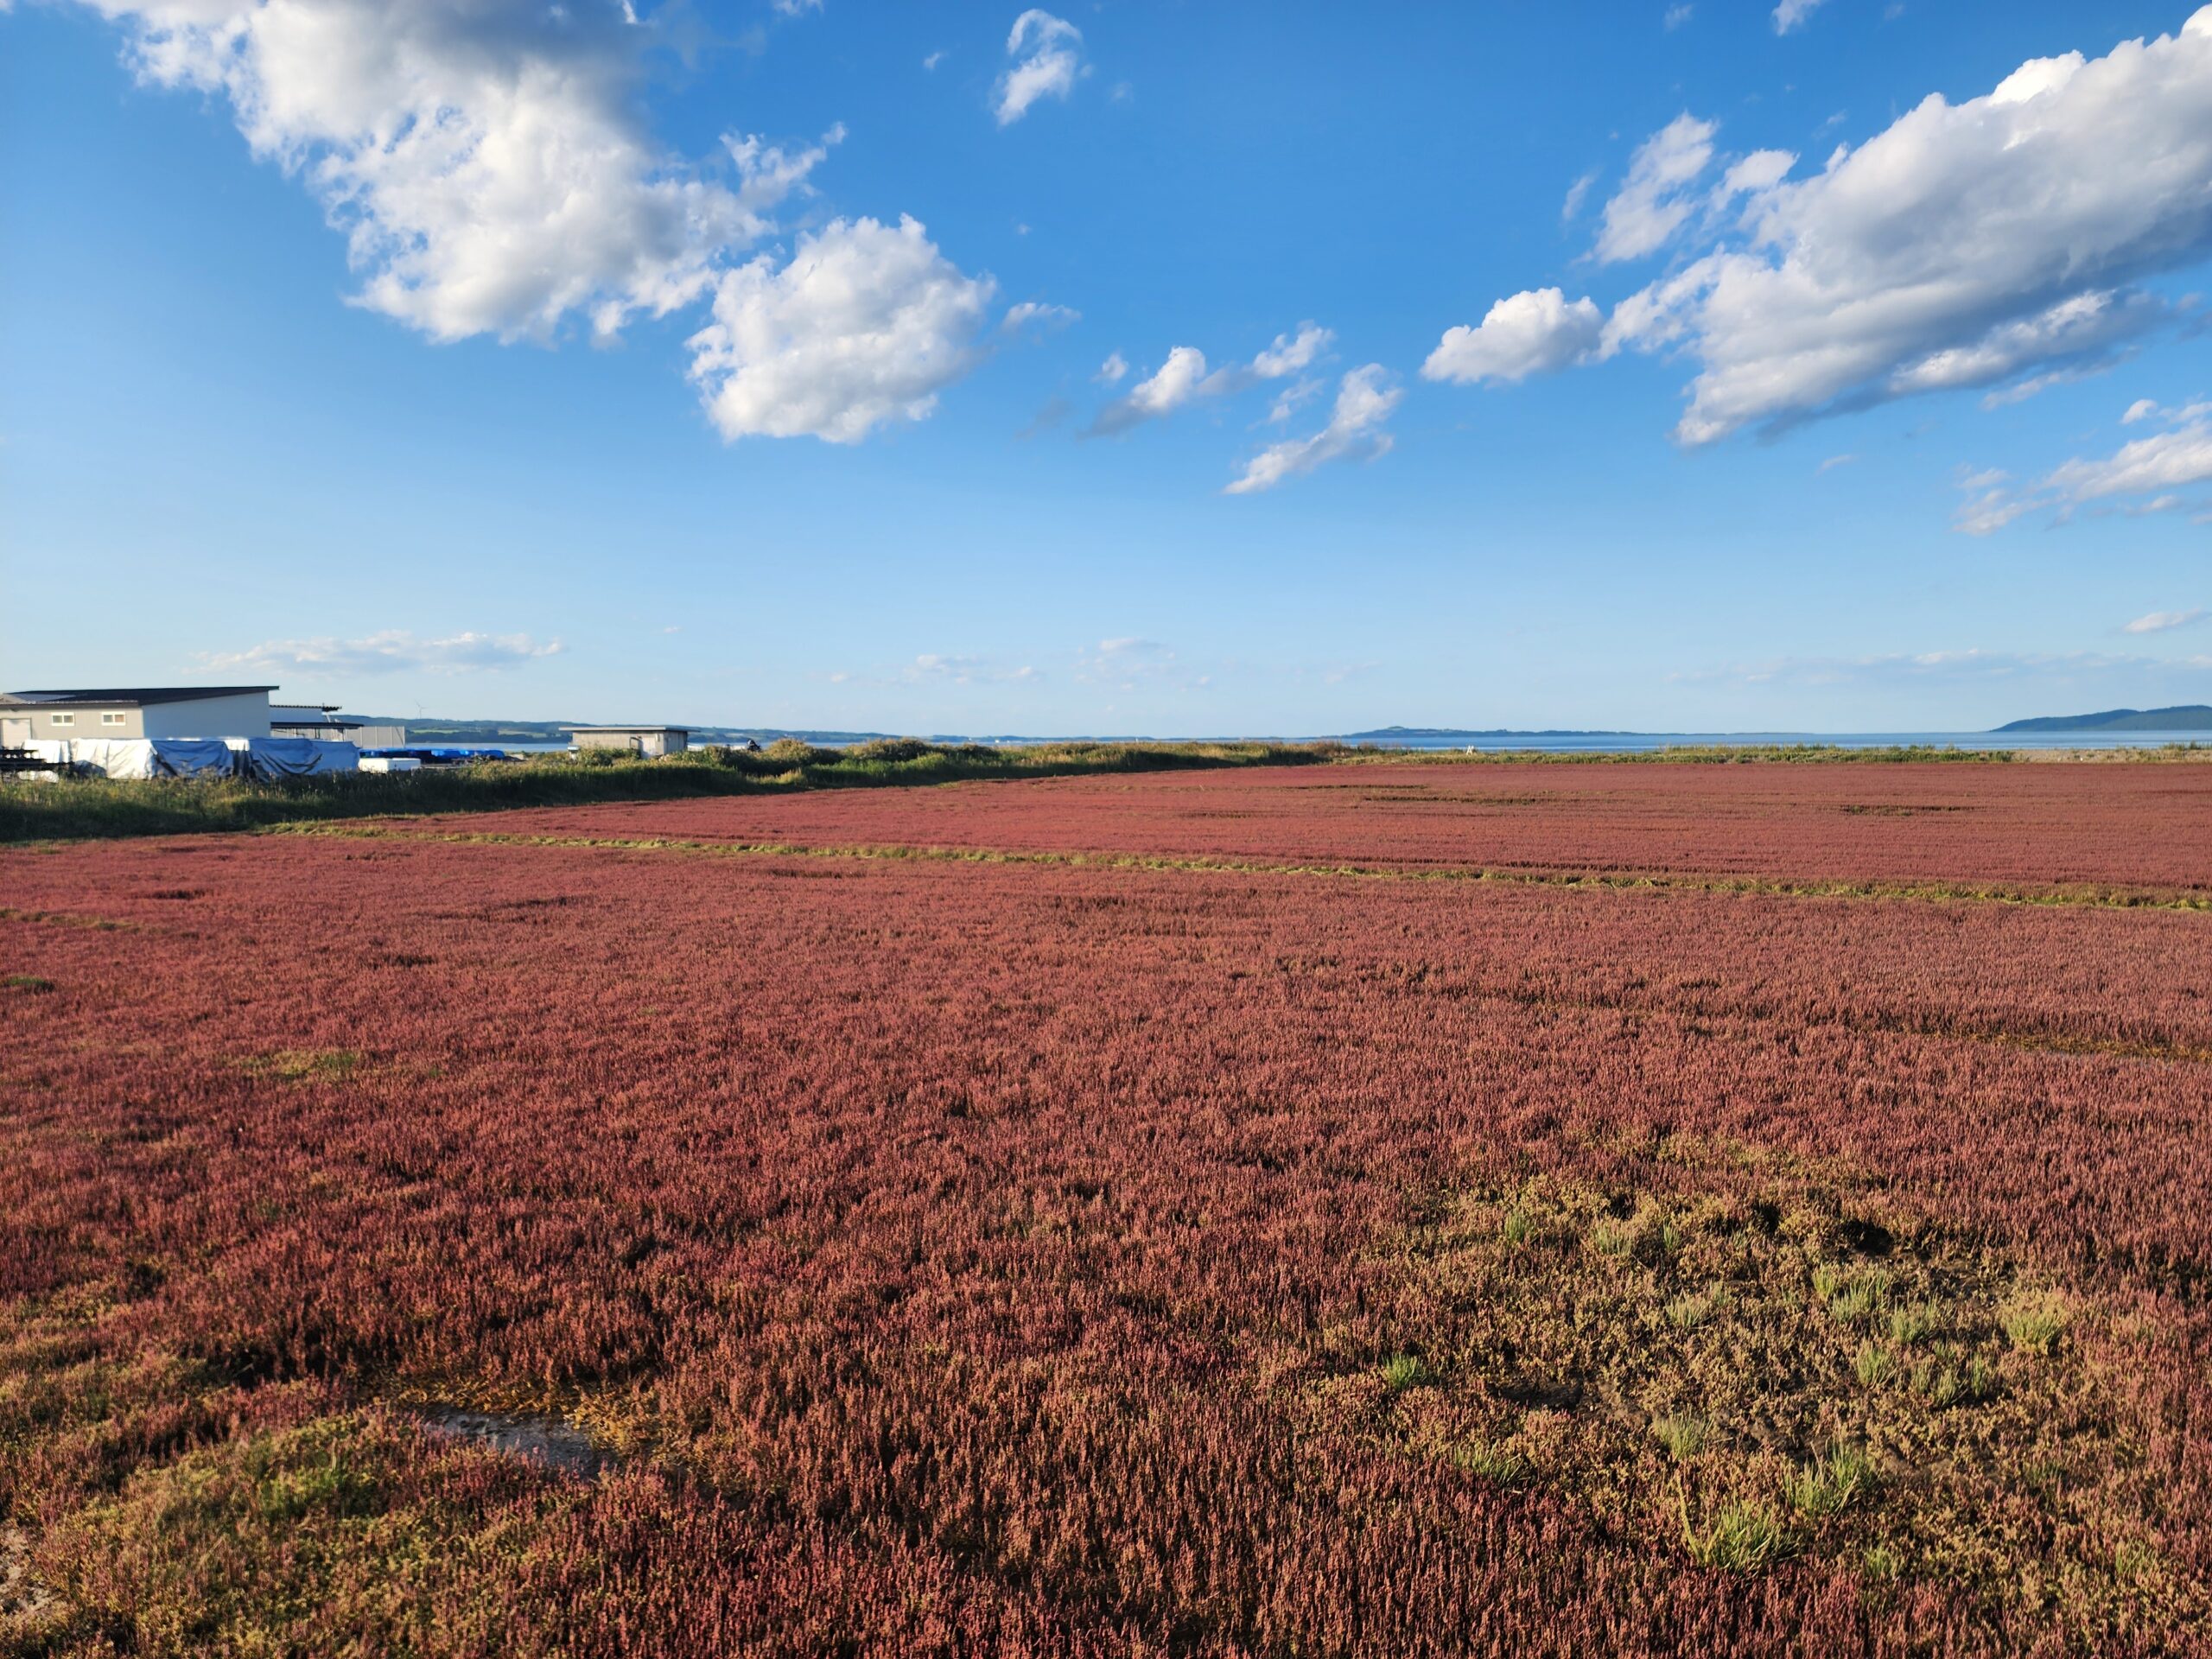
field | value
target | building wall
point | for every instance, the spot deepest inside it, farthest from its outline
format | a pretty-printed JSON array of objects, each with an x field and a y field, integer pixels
[
  {"x": 646, "y": 739},
  {"x": 239, "y": 717},
  {"x": 59, "y": 723},
  {"x": 606, "y": 739},
  {"x": 242, "y": 716}
]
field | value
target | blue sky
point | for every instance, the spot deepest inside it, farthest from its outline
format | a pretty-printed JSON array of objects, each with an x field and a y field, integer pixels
[{"x": 532, "y": 361}]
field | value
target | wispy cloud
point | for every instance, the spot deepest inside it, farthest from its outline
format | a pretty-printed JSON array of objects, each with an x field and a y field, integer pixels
[
  {"x": 1968, "y": 666},
  {"x": 1047, "y": 53},
  {"x": 1653, "y": 201},
  {"x": 1364, "y": 401},
  {"x": 1129, "y": 663},
  {"x": 393, "y": 651},
  {"x": 2164, "y": 621},
  {"x": 1043, "y": 316},
  {"x": 942, "y": 668},
  {"x": 1577, "y": 194},
  {"x": 2152, "y": 467}
]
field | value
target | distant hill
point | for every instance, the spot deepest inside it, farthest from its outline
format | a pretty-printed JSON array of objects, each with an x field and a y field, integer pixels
[{"x": 2184, "y": 717}]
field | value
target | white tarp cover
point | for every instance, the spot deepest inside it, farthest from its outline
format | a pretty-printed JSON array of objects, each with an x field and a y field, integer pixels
[
  {"x": 189, "y": 757},
  {"x": 294, "y": 757},
  {"x": 193, "y": 757},
  {"x": 139, "y": 757},
  {"x": 114, "y": 757}
]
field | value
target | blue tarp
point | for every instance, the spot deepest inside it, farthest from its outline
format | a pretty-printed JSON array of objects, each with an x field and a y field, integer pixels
[
  {"x": 296, "y": 757},
  {"x": 191, "y": 757}
]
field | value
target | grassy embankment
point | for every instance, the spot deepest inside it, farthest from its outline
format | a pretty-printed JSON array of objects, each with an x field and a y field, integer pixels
[{"x": 77, "y": 809}]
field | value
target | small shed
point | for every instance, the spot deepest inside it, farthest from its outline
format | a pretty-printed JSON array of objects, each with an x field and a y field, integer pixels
[{"x": 651, "y": 741}]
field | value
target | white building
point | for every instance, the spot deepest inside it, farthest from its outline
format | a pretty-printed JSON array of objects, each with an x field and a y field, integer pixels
[
  {"x": 653, "y": 740},
  {"x": 134, "y": 712}
]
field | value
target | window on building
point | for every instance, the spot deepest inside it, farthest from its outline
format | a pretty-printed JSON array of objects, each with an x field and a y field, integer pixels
[
  {"x": 61, "y": 720},
  {"x": 110, "y": 719}
]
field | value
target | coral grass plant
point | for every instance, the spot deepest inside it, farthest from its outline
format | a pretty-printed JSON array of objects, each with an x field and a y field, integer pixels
[{"x": 989, "y": 1220}]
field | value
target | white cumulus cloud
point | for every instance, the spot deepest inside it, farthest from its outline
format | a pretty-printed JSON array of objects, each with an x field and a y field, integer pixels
[
  {"x": 1047, "y": 53},
  {"x": 1526, "y": 334},
  {"x": 1364, "y": 401},
  {"x": 488, "y": 166},
  {"x": 1181, "y": 379},
  {"x": 865, "y": 324},
  {"x": 484, "y": 161},
  {"x": 1290, "y": 353},
  {"x": 395, "y": 651},
  {"x": 1965, "y": 243},
  {"x": 1184, "y": 378}
]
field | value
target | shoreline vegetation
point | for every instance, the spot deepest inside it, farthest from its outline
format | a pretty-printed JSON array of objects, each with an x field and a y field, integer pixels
[{"x": 94, "y": 809}]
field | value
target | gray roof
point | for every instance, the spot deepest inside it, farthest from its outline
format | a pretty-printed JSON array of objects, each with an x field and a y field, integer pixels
[{"x": 135, "y": 695}]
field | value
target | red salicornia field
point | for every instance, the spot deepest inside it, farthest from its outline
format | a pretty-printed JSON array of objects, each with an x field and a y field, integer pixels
[{"x": 1366, "y": 1209}]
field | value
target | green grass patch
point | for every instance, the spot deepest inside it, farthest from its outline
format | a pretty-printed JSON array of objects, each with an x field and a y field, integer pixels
[
  {"x": 1760, "y": 1372},
  {"x": 79, "y": 809}
]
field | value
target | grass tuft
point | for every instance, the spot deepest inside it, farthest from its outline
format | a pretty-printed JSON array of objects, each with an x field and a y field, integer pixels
[
  {"x": 1915, "y": 1322},
  {"x": 1829, "y": 1482},
  {"x": 1404, "y": 1371},
  {"x": 1683, "y": 1435},
  {"x": 2035, "y": 1321},
  {"x": 1687, "y": 1313},
  {"x": 1875, "y": 1366},
  {"x": 1488, "y": 1460},
  {"x": 1741, "y": 1537}
]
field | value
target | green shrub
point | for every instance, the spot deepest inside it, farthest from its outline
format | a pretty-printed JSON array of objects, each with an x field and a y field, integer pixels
[
  {"x": 797, "y": 752},
  {"x": 897, "y": 750}
]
